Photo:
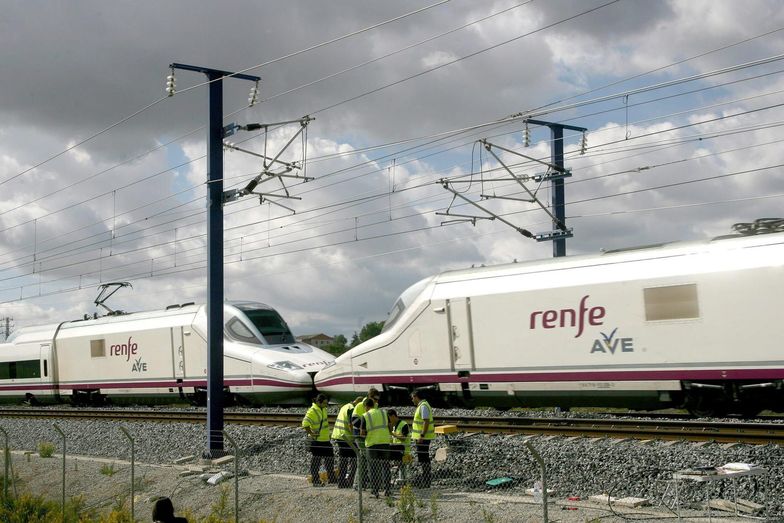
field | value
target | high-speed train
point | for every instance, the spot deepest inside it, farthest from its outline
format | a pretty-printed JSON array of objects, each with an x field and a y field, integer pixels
[
  {"x": 157, "y": 357},
  {"x": 689, "y": 324}
]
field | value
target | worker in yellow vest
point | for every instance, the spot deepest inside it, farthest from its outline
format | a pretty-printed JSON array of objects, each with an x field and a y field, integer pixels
[
  {"x": 344, "y": 437},
  {"x": 316, "y": 425},
  {"x": 423, "y": 433},
  {"x": 400, "y": 446},
  {"x": 359, "y": 410},
  {"x": 356, "y": 422},
  {"x": 375, "y": 430}
]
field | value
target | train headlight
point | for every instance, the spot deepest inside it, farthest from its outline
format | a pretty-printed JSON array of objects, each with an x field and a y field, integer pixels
[{"x": 284, "y": 365}]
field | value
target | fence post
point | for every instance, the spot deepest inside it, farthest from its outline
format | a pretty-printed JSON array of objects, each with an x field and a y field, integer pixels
[
  {"x": 133, "y": 467},
  {"x": 542, "y": 467},
  {"x": 236, "y": 476},
  {"x": 6, "y": 455},
  {"x": 57, "y": 428},
  {"x": 359, "y": 450}
]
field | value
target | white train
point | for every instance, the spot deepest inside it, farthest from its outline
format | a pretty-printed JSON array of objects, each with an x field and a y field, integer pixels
[
  {"x": 695, "y": 324},
  {"x": 159, "y": 356}
]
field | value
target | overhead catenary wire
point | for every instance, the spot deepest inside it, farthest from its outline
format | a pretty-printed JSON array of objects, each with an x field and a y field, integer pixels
[
  {"x": 670, "y": 185},
  {"x": 697, "y": 122},
  {"x": 392, "y": 53},
  {"x": 460, "y": 59},
  {"x": 645, "y": 88},
  {"x": 159, "y": 100}
]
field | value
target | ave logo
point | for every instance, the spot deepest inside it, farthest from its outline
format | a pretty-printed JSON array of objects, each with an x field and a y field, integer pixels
[
  {"x": 139, "y": 366},
  {"x": 609, "y": 343}
]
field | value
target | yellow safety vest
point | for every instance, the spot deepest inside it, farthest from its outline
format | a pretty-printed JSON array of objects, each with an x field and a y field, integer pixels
[
  {"x": 419, "y": 423},
  {"x": 376, "y": 427},
  {"x": 316, "y": 419},
  {"x": 406, "y": 442},
  {"x": 359, "y": 410},
  {"x": 342, "y": 428}
]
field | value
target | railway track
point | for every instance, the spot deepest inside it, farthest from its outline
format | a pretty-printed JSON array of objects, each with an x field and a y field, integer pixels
[{"x": 619, "y": 428}]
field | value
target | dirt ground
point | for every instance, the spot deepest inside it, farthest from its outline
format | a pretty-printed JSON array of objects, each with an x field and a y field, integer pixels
[{"x": 288, "y": 498}]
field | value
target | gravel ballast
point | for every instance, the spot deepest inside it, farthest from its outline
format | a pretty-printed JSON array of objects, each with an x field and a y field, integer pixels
[{"x": 576, "y": 467}]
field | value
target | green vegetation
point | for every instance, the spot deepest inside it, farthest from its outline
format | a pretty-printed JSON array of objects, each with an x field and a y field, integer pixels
[
  {"x": 434, "y": 506},
  {"x": 107, "y": 469},
  {"x": 369, "y": 330},
  {"x": 338, "y": 346},
  {"x": 409, "y": 506},
  {"x": 35, "y": 509},
  {"x": 220, "y": 511},
  {"x": 341, "y": 345},
  {"x": 487, "y": 516},
  {"x": 46, "y": 449}
]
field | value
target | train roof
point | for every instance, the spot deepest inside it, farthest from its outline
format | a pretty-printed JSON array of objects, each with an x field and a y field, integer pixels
[
  {"x": 616, "y": 255},
  {"x": 35, "y": 333}
]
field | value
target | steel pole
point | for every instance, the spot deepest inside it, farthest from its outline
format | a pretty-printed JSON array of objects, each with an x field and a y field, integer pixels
[
  {"x": 558, "y": 198},
  {"x": 133, "y": 466},
  {"x": 543, "y": 469},
  {"x": 215, "y": 265},
  {"x": 57, "y": 428},
  {"x": 215, "y": 135},
  {"x": 6, "y": 455}
]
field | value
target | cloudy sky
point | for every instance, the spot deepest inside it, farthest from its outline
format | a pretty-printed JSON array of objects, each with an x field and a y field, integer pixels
[{"x": 103, "y": 176}]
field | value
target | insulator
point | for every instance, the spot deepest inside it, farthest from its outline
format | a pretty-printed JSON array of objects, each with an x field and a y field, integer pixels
[
  {"x": 583, "y": 144},
  {"x": 171, "y": 84},
  {"x": 253, "y": 96},
  {"x": 526, "y": 136}
]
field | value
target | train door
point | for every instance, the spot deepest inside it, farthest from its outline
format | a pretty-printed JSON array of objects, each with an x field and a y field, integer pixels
[
  {"x": 178, "y": 352},
  {"x": 46, "y": 370},
  {"x": 461, "y": 342},
  {"x": 194, "y": 353}
]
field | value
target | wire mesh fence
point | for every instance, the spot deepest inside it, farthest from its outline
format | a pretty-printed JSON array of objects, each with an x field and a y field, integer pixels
[
  {"x": 278, "y": 474},
  {"x": 261, "y": 475}
]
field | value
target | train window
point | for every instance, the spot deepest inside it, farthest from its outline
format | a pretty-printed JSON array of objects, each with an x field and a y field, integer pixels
[
  {"x": 46, "y": 370},
  {"x": 270, "y": 325},
  {"x": 404, "y": 301},
  {"x": 239, "y": 331},
  {"x": 97, "y": 348},
  {"x": 28, "y": 369},
  {"x": 673, "y": 302},
  {"x": 12, "y": 370}
]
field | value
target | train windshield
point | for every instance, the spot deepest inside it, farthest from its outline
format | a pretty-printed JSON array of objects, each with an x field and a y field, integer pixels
[
  {"x": 267, "y": 322},
  {"x": 404, "y": 301}
]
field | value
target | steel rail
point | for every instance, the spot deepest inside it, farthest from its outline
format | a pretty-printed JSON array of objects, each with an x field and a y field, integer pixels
[{"x": 654, "y": 429}]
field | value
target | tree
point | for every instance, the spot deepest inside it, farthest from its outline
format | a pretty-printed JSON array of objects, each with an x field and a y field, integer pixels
[
  {"x": 369, "y": 330},
  {"x": 338, "y": 345}
]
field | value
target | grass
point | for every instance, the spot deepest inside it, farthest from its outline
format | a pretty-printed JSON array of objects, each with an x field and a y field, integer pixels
[
  {"x": 107, "y": 469},
  {"x": 35, "y": 509},
  {"x": 46, "y": 449}
]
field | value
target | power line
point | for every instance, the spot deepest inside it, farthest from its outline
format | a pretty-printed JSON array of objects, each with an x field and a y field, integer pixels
[
  {"x": 159, "y": 100},
  {"x": 364, "y": 199},
  {"x": 471, "y": 55}
]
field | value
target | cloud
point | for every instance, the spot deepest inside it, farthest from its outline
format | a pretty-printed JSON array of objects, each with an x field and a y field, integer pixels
[{"x": 130, "y": 204}]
